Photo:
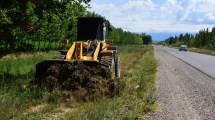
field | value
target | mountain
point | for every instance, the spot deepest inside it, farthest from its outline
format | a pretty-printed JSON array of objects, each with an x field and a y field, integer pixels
[{"x": 164, "y": 35}]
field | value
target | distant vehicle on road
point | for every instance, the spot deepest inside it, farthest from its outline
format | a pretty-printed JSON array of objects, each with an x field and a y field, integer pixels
[{"x": 183, "y": 47}]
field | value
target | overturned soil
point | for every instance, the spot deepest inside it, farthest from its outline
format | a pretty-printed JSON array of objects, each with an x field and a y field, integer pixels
[{"x": 81, "y": 81}]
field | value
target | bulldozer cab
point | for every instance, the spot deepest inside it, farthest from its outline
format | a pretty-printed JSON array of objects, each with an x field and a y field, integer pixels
[{"x": 92, "y": 29}]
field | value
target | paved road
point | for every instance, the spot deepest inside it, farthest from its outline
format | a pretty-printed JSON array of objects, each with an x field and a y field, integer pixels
[
  {"x": 184, "y": 91},
  {"x": 204, "y": 63}
]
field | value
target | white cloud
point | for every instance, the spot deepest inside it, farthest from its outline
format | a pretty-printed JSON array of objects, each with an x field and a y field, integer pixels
[
  {"x": 105, "y": 9},
  {"x": 171, "y": 9},
  {"x": 204, "y": 9},
  {"x": 160, "y": 26},
  {"x": 129, "y": 8},
  {"x": 170, "y": 16},
  {"x": 211, "y": 16},
  {"x": 138, "y": 5}
]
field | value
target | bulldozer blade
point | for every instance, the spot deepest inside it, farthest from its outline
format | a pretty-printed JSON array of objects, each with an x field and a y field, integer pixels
[{"x": 43, "y": 66}]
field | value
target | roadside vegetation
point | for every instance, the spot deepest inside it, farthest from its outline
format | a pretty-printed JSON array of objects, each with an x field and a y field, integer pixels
[
  {"x": 202, "y": 42},
  {"x": 17, "y": 70},
  {"x": 138, "y": 68},
  {"x": 203, "y": 51}
]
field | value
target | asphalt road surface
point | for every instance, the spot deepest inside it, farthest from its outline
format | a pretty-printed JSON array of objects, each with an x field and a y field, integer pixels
[{"x": 185, "y": 86}]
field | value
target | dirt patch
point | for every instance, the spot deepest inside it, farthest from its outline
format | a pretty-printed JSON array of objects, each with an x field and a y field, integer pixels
[{"x": 80, "y": 81}]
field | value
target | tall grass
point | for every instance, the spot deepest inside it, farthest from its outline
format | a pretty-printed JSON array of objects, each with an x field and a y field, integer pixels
[
  {"x": 16, "y": 71},
  {"x": 22, "y": 63}
]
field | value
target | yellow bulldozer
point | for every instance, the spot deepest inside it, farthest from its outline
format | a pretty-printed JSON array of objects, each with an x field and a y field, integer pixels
[{"x": 91, "y": 48}]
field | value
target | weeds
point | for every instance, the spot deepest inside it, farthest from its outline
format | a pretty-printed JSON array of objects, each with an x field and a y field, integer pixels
[
  {"x": 22, "y": 64},
  {"x": 16, "y": 71}
]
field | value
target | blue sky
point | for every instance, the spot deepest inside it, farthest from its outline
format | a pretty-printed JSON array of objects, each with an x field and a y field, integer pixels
[{"x": 157, "y": 16}]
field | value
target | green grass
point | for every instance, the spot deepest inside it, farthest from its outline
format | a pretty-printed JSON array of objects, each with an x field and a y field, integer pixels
[
  {"x": 16, "y": 71},
  {"x": 138, "y": 68},
  {"x": 203, "y": 51},
  {"x": 23, "y": 63},
  {"x": 43, "y": 45}
]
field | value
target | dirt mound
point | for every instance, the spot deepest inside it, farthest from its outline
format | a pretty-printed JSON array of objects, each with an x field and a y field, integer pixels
[{"x": 82, "y": 81}]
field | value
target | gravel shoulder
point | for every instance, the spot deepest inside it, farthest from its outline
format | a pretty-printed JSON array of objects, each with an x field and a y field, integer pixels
[{"x": 183, "y": 92}]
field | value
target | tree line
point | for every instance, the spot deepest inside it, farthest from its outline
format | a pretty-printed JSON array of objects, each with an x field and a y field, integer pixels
[
  {"x": 124, "y": 37},
  {"x": 203, "y": 39},
  {"x": 35, "y": 25}
]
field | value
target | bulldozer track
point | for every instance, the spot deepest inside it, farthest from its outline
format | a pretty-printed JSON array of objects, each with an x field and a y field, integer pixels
[
  {"x": 117, "y": 67},
  {"x": 106, "y": 60}
]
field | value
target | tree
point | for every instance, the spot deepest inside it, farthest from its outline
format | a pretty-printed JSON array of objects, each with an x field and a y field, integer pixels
[
  {"x": 212, "y": 38},
  {"x": 147, "y": 39},
  {"x": 124, "y": 37},
  {"x": 181, "y": 36},
  {"x": 38, "y": 21}
]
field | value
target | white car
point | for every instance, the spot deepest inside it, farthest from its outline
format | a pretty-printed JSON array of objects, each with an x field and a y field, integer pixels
[{"x": 183, "y": 47}]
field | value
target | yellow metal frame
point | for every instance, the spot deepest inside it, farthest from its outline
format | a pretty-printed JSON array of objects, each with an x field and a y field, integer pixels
[
  {"x": 70, "y": 52},
  {"x": 75, "y": 52}
]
